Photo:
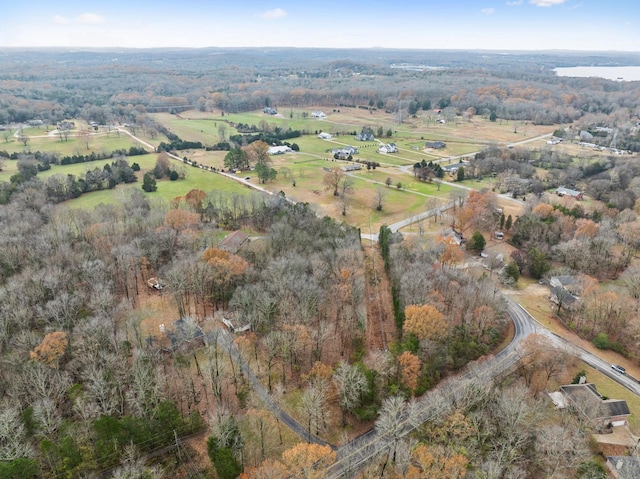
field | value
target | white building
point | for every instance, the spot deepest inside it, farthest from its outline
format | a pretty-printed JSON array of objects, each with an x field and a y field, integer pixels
[{"x": 278, "y": 150}]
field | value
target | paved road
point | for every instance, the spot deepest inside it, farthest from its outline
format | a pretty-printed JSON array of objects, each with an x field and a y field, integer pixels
[
  {"x": 356, "y": 454},
  {"x": 225, "y": 340},
  {"x": 587, "y": 357}
]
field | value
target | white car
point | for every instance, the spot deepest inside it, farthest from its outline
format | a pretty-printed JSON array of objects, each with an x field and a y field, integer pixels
[{"x": 620, "y": 369}]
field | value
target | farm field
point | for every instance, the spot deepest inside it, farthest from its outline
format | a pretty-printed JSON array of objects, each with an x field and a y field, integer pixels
[
  {"x": 73, "y": 146},
  {"x": 306, "y": 166},
  {"x": 167, "y": 190}
]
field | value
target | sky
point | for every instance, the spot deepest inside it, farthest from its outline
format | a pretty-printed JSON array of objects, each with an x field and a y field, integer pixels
[{"x": 600, "y": 25}]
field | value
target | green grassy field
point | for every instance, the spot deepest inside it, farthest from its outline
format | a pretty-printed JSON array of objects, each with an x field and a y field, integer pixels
[
  {"x": 72, "y": 146},
  {"x": 167, "y": 190},
  {"x": 204, "y": 130}
]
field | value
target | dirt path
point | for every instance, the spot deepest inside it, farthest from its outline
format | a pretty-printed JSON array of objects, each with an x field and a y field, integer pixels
[{"x": 381, "y": 328}]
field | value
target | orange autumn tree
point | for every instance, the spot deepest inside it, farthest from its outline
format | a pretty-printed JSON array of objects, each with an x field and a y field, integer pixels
[
  {"x": 477, "y": 212},
  {"x": 303, "y": 460},
  {"x": 409, "y": 365},
  {"x": 425, "y": 321},
  {"x": 226, "y": 269},
  {"x": 451, "y": 255},
  {"x": 194, "y": 199},
  {"x": 51, "y": 349},
  {"x": 436, "y": 463},
  {"x": 308, "y": 460},
  {"x": 179, "y": 219}
]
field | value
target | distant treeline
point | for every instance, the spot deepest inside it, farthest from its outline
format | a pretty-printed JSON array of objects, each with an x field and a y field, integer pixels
[
  {"x": 271, "y": 138},
  {"x": 48, "y": 158},
  {"x": 178, "y": 144}
]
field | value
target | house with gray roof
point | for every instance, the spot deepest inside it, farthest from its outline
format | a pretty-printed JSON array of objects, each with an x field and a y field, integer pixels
[
  {"x": 562, "y": 191},
  {"x": 624, "y": 467},
  {"x": 586, "y": 400}
]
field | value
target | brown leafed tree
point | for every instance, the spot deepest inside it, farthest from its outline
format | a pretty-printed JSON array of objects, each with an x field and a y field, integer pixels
[
  {"x": 85, "y": 137},
  {"x": 269, "y": 469},
  {"x": 308, "y": 460},
  {"x": 436, "y": 462},
  {"x": 226, "y": 268},
  {"x": 180, "y": 219},
  {"x": 195, "y": 199},
  {"x": 51, "y": 349},
  {"x": 425, "y": 321},
  {"x": 409, "y": 365},
  {"x": 258, "y": 152},
  {"x": 543, "y": 210},
  {"x": 333, "y": 179},
  {"x": 540, "y": 361},
  {"x": 477, "y": 212},
  {"x": 163, "y": 165},
  {"x": 586, "y": 229},
  {"x": 452, "y": 254}
]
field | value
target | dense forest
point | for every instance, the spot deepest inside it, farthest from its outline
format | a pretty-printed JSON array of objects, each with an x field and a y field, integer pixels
[{"x": 118, "y": 85}]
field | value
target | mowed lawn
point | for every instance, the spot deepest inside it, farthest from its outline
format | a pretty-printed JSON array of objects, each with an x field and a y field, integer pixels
[
  {"x": 196, "y": 178},
  {"x": 308, "y": 173},
  {"x": 72, "y": 146}
]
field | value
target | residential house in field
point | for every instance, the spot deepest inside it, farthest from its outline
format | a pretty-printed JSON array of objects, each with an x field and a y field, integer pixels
[
  {"x": 318, "y": 114},
  {"x": 436, "y": 145},
  {"x": 278, "y": 150},
  {"x": 586, "y": 400},
  {"x": 388, "y": 148},
  {"x": 565, "y": 290},
  {"x": 624, "y": 467},
  {"x": 562, "y": 191},
  {"x": 365, "y": 136},
  {"x": 344, "y": 153},
  {"x": 452, "y": 169},
  {"x": 233, "y": 242},
  {"x": 35, "y": 122},
  {"x": 352, "y": 167},
  {"x": 325, "y": 136},
  {"x": 269, "y": 111}
]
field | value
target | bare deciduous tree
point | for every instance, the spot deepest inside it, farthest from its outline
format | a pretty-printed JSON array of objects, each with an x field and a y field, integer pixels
[{"x": 351, "y": 384}]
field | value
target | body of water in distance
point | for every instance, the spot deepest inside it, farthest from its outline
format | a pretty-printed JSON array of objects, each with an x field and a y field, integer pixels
[{"x": 630, "y": 73}]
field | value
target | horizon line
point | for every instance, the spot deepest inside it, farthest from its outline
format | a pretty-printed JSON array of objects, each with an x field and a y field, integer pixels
[{"x": 67, "y": 47}]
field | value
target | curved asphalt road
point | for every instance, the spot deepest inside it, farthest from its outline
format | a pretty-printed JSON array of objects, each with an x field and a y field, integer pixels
[{"x": 357, "y": 453}]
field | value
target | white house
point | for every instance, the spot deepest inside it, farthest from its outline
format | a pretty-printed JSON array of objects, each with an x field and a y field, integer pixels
[
  {"x": 278, "y": 150},
  {"x": 318, "y": 114},
  {"x": 325, "y": 136},
  {"x": 388, "y": 148}
]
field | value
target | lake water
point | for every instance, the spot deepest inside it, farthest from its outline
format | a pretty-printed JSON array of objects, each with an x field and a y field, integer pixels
[{"x": 610, "y": 73}]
